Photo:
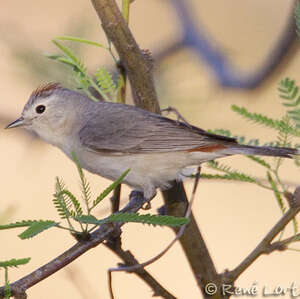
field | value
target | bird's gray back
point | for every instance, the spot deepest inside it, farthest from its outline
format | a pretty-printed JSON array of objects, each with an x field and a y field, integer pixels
[{"x": 113, "y": 127}]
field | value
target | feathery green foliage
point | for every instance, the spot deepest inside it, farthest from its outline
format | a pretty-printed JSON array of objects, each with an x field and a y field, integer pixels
[
  {"x": 230, "y": 175},
  {"x": 287, "y": 128},
  {"x": 85, "y": 186},
  {"x": 276, "y": 192},
  {"x": 70, "y": 209},
  {"x": 260, "y": 161},
  {"x": 34, "y": 227},
  {"x": 137, "y": 218},
  {"x": 266, "y": 121},
  {"x": 80, "y": 74},
  {"x": 24, "y": 223},
  {"x": 234, "y": 176},
  {"x": 9, "y": 264},
  {"x": 105, "y": 81},
  {"x": 60, "y": 200},
  {"x": 76, "y": 204},
  {"x": 14, "y": 262},
  {"x": 109, "y": 189},
  {"x": 289, "y": 92},
  {"x": 81, "y": 40}
]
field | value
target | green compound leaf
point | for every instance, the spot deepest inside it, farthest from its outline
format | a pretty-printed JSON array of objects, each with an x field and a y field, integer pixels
[
  {"x": 77, "y": 207},
  {"x": 260, "y": 161},
  {"x": 83, "y": 80},
  {"x": 266, "y": 121},
  {"x": 230, "y": 174},
  {"x": 234, "y": 176},
  {"x": 80, "y": 40},
  {"x": 60, "y": 201},
  {"x": 89, "y": 219},
  {"x": 289, "y": 92},
  {"x": 137, "y": 218},
  {"x": 24, "y": 223},
  {"x": 36, "y": 228},
  {"x": 71, "y": 55},
  {"x": 109, "y": 189},
  {"x": 105, "y": 81},
  {"x": 85, "y": 186},
  {"x": 14, "y": 262},
  {"x": 276, "y": 192}
]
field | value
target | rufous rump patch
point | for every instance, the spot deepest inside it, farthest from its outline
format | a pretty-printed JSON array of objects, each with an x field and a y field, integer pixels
[{"x": 208, "y": 149}]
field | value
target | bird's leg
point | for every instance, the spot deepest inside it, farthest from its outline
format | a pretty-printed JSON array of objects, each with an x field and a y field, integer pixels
[
  {"x": 136, "y": 195},
  {"x": 149, "y": 192},
  {"x": 179, "y": 116}
]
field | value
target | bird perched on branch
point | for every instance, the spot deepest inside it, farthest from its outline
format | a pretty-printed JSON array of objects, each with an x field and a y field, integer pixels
[{"x": 109, "y": 138}]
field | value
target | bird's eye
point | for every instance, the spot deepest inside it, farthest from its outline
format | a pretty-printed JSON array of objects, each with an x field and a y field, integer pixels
[{"x": 40, "y": 109}]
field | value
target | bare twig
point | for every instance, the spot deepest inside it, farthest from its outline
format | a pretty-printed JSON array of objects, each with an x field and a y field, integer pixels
[
  {"x": 265, "y": 246},
  {"x": 129, "y": 259},
  {"x": 176, "y": 112},
  {"x": 79, "y": 282},
  {"x": 282, "y": 245}
]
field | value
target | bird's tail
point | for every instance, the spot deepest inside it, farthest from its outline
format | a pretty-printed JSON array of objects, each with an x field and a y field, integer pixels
[{"x": 263, "y": 151}]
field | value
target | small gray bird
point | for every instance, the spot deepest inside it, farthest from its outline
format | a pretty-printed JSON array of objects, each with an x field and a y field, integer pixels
[{"x": 109, "y": 138}]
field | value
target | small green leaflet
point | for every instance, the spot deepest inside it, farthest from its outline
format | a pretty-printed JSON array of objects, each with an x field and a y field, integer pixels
[
  {"x": 137, "y": 218},
  {"x": 276, "y": 192},
  {"x": 110, "y": 188},
  {"x": 81, "y": 40},
  {"x": 264, "y": 120},
  {"x": 14, "y": 262},
  {"x": 37, "y": 228},
  {"x": 234, "y": 176},
  {"x": 34, "y": 227}
]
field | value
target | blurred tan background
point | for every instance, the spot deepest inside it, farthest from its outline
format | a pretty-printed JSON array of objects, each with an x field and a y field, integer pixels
[{"x": 233, "y": 217}]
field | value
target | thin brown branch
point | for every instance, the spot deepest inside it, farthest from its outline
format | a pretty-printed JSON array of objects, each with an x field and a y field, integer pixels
[
  {"x": 115, "y": 199},
  {"x": 265, "y": 245},
  {"x": 282, "y": 245},
  {"x": 101, "y": 234},
  {"x": 143, "y": 274}
]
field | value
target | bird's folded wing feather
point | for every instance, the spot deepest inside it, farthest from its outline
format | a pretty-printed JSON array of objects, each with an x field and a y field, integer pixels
[{"x": 127, "y": 129}]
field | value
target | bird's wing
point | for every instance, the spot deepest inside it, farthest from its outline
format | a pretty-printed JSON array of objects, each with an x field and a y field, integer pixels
[{"x": 123, "y": 128}]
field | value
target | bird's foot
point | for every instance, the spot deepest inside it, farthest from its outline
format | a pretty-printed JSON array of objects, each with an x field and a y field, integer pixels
[{"x": 179, "y": 116}]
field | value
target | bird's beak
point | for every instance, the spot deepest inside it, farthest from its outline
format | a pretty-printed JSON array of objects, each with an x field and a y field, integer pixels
[{"x": 17, "y": 123}]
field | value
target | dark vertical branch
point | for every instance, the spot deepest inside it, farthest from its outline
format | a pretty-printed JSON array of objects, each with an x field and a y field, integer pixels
[
  {"x": 192, "y": 241},
  {"x": 138, "y": 70},
  {"x": 141, "y": 79}
]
